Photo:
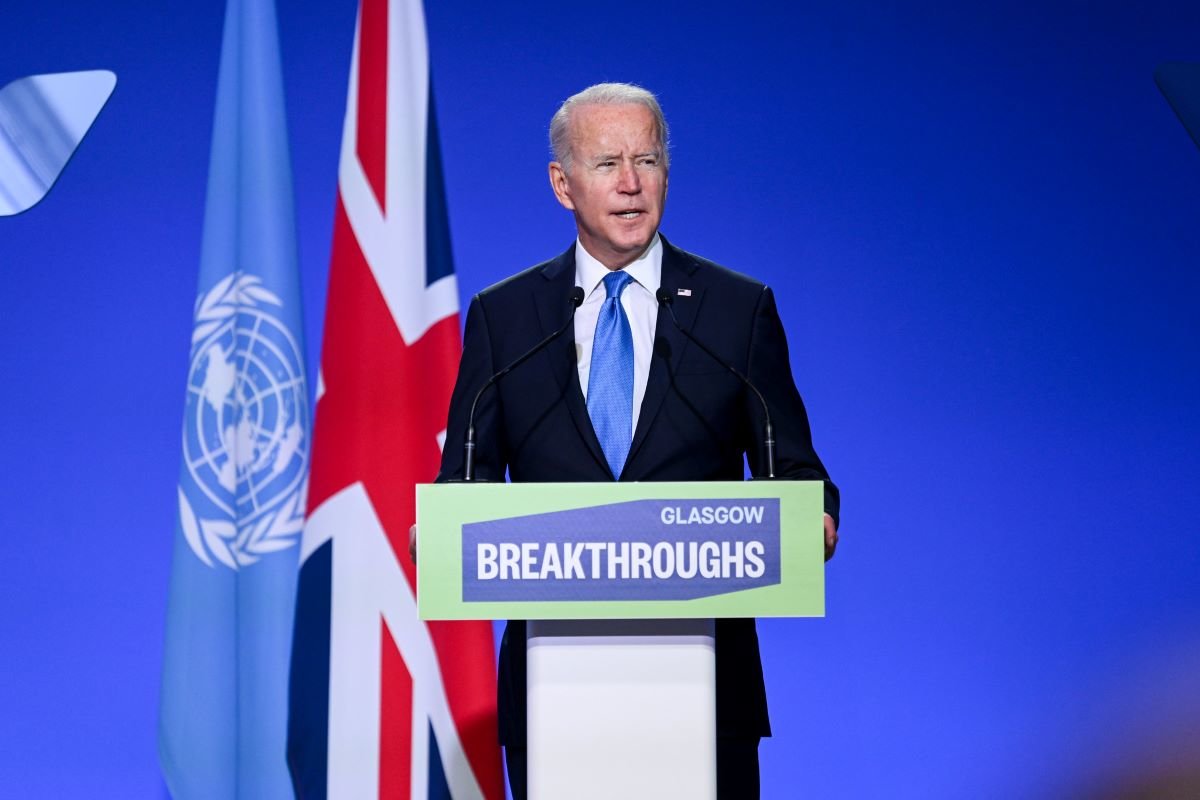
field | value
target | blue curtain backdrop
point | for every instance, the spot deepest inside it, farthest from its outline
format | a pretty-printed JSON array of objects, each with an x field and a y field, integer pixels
[{"x": 980, "y": 221}]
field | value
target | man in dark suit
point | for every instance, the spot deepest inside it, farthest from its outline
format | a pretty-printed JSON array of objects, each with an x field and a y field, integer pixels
[{"x": 627, "y": 397}]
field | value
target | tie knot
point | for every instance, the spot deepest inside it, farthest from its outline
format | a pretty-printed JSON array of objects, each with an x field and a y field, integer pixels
[{"x": 615, "y": 282}]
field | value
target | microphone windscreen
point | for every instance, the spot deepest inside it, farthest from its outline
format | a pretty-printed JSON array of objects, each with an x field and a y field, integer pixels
[
  {"x": 576, "y": 296},
  {"x": 663, "y": 295}
]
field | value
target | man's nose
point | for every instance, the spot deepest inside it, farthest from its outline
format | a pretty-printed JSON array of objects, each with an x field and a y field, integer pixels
[{"x": 628, "y": 181}]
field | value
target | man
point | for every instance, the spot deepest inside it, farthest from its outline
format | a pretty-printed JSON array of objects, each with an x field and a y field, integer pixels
[{"x": 627, "y": 397}]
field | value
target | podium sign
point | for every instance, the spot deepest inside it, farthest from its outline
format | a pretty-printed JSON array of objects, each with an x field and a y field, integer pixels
[{"x": 549, "y": 551}]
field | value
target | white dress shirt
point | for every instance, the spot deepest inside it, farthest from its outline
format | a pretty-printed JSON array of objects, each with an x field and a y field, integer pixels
[{"x": 639, "y": 302}]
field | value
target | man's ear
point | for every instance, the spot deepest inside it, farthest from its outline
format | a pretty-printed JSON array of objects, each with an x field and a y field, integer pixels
[{"x": 558, "y": 182}]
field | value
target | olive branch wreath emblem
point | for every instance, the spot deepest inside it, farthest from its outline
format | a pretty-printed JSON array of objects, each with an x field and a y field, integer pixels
[{"x": 276, "y": 529}]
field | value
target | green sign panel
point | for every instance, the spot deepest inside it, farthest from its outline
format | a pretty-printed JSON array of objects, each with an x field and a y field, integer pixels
[{"x": 620, "y": 550}]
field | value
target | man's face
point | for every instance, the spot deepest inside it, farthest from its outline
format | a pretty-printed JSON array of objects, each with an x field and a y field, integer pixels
[{"x": 617, "y": 184}]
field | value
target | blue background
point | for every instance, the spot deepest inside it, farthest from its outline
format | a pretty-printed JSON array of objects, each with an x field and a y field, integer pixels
[{"x": 981, "y": 221}]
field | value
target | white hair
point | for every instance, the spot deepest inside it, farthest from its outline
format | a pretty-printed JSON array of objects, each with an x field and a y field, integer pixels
[{"x": 604, "y": 94}]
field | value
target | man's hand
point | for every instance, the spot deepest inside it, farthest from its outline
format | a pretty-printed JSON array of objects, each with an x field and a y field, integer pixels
[{"x": 831, "y": 539}]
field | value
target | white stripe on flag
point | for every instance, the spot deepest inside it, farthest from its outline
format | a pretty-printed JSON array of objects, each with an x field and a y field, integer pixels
[
  {"x": 397, "y": 237},
  {"x": 367, "y": 582}
]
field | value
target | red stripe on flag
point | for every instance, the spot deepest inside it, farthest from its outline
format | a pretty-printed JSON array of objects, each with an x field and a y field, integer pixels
[
  {"x": 384, "y": 402},
  {"x": 465, "y": 657},
  {"x": 383, "y": 406},
  {"x": 395, "y": 721},
  {"x": 372, "y": 96}
]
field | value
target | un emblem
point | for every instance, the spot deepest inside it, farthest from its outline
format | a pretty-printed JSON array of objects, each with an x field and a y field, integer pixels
[{"x": 245, "y": 430}]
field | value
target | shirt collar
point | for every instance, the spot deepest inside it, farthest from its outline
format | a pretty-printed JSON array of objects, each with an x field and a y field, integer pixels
[{"x": 646, "y": 269}]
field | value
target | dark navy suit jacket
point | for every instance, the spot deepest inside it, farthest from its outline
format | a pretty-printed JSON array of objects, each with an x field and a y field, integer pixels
[{"x": 697, "y": 423}]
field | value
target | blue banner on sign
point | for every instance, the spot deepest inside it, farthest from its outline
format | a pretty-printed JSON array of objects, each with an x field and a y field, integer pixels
[{"x": 640, "y": 550}]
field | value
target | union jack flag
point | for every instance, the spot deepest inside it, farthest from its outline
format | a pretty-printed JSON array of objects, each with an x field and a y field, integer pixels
[{"x": 381, "y": 703}]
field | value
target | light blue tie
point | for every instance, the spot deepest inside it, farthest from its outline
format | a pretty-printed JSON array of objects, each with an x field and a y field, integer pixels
[{"x": 610, "y": 383}]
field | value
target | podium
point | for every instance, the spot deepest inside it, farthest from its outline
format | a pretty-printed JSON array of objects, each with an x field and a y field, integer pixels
[{"x": 620, "y": 584}]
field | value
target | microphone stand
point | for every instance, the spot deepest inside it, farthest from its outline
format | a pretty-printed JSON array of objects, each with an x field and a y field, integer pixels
[
  {"x": 666, "y": 300},
  {"x": 575, "y": 298}
]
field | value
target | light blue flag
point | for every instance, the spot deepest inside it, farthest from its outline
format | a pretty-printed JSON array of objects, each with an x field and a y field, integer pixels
[{"x": 242, "y": 485}]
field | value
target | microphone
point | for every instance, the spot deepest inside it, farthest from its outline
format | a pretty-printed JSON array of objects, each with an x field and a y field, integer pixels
[
  {"x": 575, "y": 298},
  {"x": 666, "y": 300}
]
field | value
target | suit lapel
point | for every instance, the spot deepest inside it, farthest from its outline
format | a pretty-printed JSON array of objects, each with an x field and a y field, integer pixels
[
  {"x": 678, "y": 272},
  {"x": 552, "y": 311}
]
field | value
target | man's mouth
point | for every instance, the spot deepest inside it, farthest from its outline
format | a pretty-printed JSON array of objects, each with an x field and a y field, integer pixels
[{"x": 629, "y": 214}]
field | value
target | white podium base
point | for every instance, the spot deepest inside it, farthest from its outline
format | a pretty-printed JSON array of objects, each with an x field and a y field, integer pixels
[{"x": 621, "y": 709}]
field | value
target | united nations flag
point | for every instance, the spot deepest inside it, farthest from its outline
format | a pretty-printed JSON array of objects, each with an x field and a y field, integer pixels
[{"x": 245, "y": 446}]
